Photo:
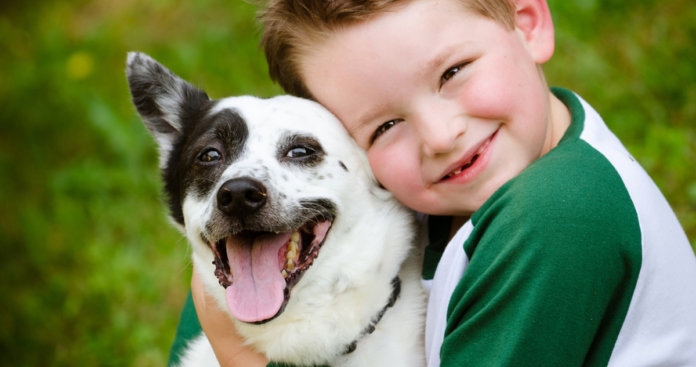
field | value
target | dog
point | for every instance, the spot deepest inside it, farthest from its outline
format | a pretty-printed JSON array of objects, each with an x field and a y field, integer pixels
[{"x": 315, "y": 262}]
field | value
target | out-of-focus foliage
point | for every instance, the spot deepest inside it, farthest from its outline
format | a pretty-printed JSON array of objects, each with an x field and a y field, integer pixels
[{"x": 92, "y": 272}]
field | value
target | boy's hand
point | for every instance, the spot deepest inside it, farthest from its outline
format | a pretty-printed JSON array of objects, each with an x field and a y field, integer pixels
[{"x": 219, "y": 329}]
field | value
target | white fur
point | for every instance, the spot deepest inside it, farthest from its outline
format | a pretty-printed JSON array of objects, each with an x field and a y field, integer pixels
[{"x": 351, "y": 279}]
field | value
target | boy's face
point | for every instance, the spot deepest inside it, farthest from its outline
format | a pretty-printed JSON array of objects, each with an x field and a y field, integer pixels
[{"x": 449, "y": 105}]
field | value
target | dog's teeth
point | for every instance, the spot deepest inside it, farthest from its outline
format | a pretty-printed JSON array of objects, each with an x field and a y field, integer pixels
[
  {"x": 293, "y": 246},
  {"x": 292, "y": 251},
  {"x": 290, "y": 255}
]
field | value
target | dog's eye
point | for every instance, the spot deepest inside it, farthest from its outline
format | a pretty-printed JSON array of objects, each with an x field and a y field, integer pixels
[
  {"x": 209, "y": 155},
  {"x": 300, "y": 149},
  {"x": 299, "y": 152}
]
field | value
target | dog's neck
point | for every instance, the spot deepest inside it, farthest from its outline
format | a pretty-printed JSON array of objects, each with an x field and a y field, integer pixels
[{"x": 396, "y": 289}]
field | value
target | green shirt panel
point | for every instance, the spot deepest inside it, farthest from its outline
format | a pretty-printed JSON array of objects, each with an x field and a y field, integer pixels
[
  {"x": 554, "y": 258},
  {"x": 189, "y": 328}
]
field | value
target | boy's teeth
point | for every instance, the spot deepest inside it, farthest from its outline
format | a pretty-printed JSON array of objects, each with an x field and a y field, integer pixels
[
  {"x": 483, "y": 147},
  {"x": 460, "y": 169},
  {"x": 471, "y": 162}
]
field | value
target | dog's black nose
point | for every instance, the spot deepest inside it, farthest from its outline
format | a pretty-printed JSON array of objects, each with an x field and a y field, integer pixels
[{"x": 241, "y": 196}]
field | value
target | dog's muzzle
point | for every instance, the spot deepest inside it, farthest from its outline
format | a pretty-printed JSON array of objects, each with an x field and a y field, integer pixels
[{"x": 258, "y": 262}]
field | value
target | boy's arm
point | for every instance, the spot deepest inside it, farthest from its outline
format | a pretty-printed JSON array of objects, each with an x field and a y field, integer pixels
[{"x": 219, "y": 329}]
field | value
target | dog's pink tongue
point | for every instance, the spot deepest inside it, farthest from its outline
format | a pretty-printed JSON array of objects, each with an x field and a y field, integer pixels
[{"x": 257, "y": 290}]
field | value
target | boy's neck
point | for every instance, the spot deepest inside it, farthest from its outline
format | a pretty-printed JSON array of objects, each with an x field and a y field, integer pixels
[
  {"x": 560, "y": 120},
  {"x": 457, "y": 222}
]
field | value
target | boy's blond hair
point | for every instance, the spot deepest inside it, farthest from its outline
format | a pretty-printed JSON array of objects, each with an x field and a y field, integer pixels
[{"x": 292, "y": 27}]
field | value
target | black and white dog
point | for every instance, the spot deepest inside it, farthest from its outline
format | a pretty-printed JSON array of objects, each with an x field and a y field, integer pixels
[{"x": 289, "y": 229}]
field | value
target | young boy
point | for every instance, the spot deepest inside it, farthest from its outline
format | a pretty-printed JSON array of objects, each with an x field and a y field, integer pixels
[{"x": 562, "y": 251}]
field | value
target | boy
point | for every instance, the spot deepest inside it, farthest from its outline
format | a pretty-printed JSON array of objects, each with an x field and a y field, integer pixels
[{"x": 561, "y": 250}]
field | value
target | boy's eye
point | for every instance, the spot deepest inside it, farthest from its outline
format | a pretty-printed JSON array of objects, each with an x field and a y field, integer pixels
[
  {"x": 383, "y": 128},
  {"x": 449, "y": 73}
]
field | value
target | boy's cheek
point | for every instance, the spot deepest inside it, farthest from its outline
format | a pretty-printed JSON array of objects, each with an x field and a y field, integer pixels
[
  {"x": 388, "y": 170},
  {"x": 378, "y": 166},
  {"x": 490, "y": 95},
  {"x": 398, "y": 177}
]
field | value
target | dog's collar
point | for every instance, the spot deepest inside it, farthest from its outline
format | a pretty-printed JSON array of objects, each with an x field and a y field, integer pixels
[{"x": 396, "y": 290}]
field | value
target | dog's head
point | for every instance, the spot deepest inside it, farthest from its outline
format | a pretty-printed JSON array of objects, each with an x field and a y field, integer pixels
[{"x": 256, "y": 184}]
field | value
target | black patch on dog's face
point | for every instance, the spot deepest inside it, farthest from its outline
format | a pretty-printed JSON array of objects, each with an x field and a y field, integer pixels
[{"x": 223, "y": 134}]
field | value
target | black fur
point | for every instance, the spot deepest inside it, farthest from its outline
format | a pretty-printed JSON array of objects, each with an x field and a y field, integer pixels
[
  {"x": 192, "y": 131},
  {"x": 226, "y": 132}
]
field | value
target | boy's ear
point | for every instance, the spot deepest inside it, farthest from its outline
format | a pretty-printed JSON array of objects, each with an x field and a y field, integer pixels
[{"x": 533, "y": 20}]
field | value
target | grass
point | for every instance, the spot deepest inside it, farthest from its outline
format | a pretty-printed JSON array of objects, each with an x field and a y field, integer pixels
[{"x": 92, "y": 272}]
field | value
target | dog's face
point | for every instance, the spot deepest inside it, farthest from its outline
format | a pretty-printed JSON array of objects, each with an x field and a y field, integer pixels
[{"x": 256, "y": 184}]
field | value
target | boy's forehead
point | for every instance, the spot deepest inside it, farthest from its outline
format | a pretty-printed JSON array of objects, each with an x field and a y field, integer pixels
[
  {"x": 288, "y": 34},
  {"x": 372, "y": 37},
  {"x": 372, "y": 49}
]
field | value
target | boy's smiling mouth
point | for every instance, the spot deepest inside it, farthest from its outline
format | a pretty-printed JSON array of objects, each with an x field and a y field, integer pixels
[{"x": 463, "y": 167}]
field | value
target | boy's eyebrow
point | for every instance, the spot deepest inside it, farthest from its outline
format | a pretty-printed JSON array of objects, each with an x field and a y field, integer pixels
[
  {"x": 366, "y": 117},
  {"x": 437, "y": 61},
  {"x": 434, "y": 63}
]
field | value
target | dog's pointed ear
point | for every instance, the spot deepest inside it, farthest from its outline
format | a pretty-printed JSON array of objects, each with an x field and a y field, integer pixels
[{"x": 164, "y": 101}]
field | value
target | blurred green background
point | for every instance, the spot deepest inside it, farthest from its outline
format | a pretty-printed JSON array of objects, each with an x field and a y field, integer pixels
[{"x": 93, "y": 274}]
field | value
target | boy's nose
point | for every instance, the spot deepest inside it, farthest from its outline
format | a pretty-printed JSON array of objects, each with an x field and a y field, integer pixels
[{"x": 437, "y": 132}]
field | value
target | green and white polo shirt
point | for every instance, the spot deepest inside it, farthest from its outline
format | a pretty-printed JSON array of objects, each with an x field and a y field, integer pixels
[{"x": 577, "y": 261}]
